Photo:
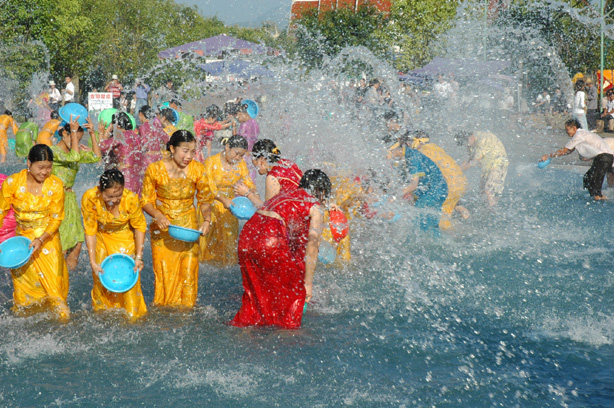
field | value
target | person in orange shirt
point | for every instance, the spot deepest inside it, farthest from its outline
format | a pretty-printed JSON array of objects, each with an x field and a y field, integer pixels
[
  {"x": 37, "y": 197},
  {"x": 45, "y": 136},
  {"x": 6, "y": 121},
  {"x": 114, "y": 223},
  {"x": 224, "y": 171},
  {"x": 169, "y": 188}
]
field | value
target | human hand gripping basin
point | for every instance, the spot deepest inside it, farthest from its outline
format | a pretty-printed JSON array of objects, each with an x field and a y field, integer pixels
[{"x": 118, "y": 275}]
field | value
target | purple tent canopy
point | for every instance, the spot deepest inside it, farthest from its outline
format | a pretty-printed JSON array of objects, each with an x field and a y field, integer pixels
[
  {"x": 214, "y": 46},
  {"x": 238, "y": 68},
  {"x": 464, "y": 68}
]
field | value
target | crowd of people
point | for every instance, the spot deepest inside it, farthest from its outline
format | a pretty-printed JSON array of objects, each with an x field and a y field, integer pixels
[{"x": 165, "y": 168}]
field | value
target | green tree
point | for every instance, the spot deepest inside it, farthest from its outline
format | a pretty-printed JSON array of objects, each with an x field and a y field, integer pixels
[
  {"x": 320, "y": 34},
  {"x": 413, "y": 29}
]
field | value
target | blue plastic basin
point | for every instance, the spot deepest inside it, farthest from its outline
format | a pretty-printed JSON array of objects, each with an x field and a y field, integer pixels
[
  {"x": 242, "y": 208},
  {"x": 119, "y": 275},
  {"x": 15, "y": 252},
  {"x": 183, "y": 234},
  {"x": 75, "y": 110}
]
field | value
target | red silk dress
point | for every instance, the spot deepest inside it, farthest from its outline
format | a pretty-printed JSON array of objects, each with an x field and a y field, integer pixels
[
  {"x": 287, "y": 174},
  {"x": 272, "y": 260}
]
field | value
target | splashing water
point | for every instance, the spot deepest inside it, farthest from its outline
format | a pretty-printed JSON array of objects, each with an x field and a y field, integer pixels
[{"x": 511, "y": 309}]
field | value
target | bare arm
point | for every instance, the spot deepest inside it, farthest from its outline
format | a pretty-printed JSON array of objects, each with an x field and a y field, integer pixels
[
  {"x": 139, "y": 240},
  {"x": 272, "y": 187},
  {"x": 561, "y": 152},
  {"x": 90, "y": 242},
  {"x": 160, "y": 218},
  {"x": 313, "y": 243}
]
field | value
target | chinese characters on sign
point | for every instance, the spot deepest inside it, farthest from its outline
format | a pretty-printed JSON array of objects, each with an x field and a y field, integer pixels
[{"x": 99, "y": 101}]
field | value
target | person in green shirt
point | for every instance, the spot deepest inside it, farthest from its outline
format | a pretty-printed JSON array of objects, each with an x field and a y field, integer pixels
[{"x": 68, "y": 154}]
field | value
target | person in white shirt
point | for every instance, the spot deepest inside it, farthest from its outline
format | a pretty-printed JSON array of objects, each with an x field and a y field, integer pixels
[
  {"x": 579, "y": 105},
  {"x": 542, "y": 103},
  {"x": 442, "y": 88},
  {"x": 608, "y": 112},
  {"x": 589, "y": 146},
  {"x": 54, "y": 96},
  {"x": 69, "y": 91}
]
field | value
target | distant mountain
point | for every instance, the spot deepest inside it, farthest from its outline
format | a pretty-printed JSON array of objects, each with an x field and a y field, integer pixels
[{"x": 278, "y": 15}]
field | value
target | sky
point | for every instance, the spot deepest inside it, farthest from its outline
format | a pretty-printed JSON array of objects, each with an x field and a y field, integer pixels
[{"x": 239, "y": 11}]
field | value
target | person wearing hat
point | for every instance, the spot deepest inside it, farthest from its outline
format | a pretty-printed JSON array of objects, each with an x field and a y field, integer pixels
[
  {"x": 69, "y": 91},
  {"x": 116, "y": 89},
  {"x": 54, "y": 96}
]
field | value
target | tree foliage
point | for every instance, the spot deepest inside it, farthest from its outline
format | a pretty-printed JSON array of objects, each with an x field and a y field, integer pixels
[
  {"x": 320, "y": 34},
  {"x": 93, "y": 39},
  {"x": 413, "y": 30}
]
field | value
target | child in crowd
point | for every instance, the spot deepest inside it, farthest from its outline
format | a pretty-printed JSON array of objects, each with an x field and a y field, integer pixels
[{"x": 204, "y": 129}]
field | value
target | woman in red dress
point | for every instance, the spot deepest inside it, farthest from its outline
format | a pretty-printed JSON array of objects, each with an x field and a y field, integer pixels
[
  {"x": 278, "y": 252},
  {"x": 281, "y": 174}
]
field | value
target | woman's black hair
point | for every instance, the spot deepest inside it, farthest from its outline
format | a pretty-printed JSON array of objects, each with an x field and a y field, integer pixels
[
  {"x": 573, "y": 122},
  {"x": 111, "y": 178},
  {"x": 175, "y": 102},
  {"x": 462, "y": 137},
  {"x": 55, "y": 115},
  {"x": 236, "y": 141},
  {"x": 40, "y": 152},
  {"x": 231, "y": 108},
  {"x": 579, "y": 86},
  {"x": 168, "y": 114},
  {"x": 242, "y": 107},
  {"x": 147, "y": 111},
  {"x": 317, "y": 183},
  {"x": 213, "y": 111},
  {"x": 266, "y": 148},
  {"x": 122, "y": 120},
  {"x": 8, "y": 113},
  {"x": 66, "y": 129},
  {"x": 180, "y": 136}
]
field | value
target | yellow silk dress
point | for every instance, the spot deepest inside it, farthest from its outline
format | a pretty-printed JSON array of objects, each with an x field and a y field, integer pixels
[
  {"x": 6, "y": 122},
  {"x": 175, "y": 263},
  {"x": 43, "y": 280},
  {"x": 219, "y": 246},
  {"x": 345, "y": 193},
  {"x": 114, "y": 235}
]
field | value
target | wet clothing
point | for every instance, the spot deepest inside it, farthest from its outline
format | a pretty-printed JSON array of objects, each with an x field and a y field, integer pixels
[
  {"x": 272, "y": 261},
  {"x": 287, "y": 173},
  {"x": 124, "y": 152},
  {"x": 153, "y": 140},
  {"x": 6, "y": 122},
  {"x": 175, "y": 263},
  {"x": 492, "y": 156},
  {"x": 43, "y": 280},
  {"x": 45, "y": 136},
  {"x": 432, "y": 190},
  {"x": 66, "y": 167},
  {"x": 593, "y": 179},
  {"x": 219, "y": 246},
  {"x": 114, "y": 235},
  {"x": 454, "y": 177},
  {"x": 7, "y": 229}
]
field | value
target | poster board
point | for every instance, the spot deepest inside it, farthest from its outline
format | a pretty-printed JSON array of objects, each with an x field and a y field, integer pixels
[{"x": 99, "y": 101}]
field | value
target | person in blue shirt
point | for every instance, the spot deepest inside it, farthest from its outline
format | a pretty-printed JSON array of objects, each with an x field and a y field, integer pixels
[{"x": 141, "y": 90}]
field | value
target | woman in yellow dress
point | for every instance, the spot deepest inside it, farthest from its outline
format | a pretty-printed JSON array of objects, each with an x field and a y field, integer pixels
[
  {"x": 114, "y": 224},
  {"x": 6, "y": 122},
  {"x": 224, "y": 171},
  {"x": 37, "y": 198},
  {"x": 168, "y": 194}
]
